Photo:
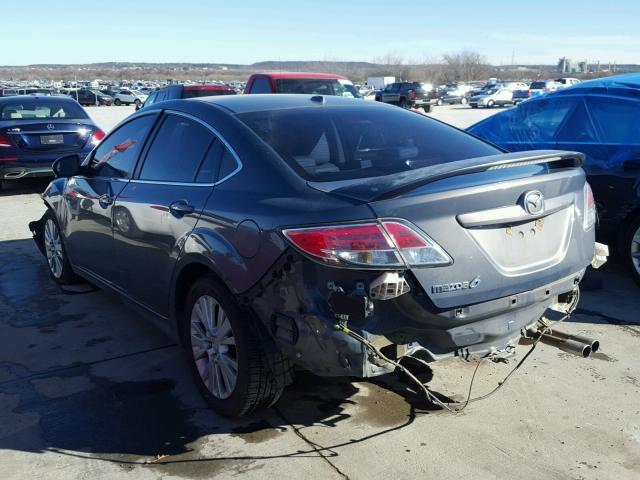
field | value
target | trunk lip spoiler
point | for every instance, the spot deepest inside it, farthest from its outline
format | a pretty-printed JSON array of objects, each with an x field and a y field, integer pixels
[{"x": 389, "y": 186}]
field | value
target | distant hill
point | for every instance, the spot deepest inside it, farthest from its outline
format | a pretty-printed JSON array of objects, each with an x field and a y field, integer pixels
[{"x": 356, "y": 71}]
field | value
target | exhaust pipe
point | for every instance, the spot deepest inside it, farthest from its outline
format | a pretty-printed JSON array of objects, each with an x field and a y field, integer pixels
[
  {"x": 594, "y": 344},
  {"x": 563, "y": 343}
]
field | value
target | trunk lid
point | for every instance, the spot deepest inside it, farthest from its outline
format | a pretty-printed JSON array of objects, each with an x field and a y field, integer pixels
[
  {"x": 477, "y": 211},
  {"x": 42, "y": 136}
]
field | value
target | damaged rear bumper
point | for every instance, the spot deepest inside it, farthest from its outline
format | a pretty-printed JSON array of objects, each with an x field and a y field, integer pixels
[{"x": 300, "y": 303}]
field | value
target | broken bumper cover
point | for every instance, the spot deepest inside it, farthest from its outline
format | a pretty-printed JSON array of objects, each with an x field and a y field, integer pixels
[{"x": 300, "y": 303}]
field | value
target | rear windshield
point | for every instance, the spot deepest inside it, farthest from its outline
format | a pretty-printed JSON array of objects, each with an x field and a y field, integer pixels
[
  {"x": 41, "y": 110},
  {"x": 538, "y": 85},
  {"x": 193, "y": 93},
  {"x": 315, "y": 86},
  {"x": 341, "y": 143}
]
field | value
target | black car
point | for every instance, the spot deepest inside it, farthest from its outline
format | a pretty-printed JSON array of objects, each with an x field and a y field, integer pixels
[
  {"x": 177, "y": 91},
  {"x": 409, "y": 95},
  {"x": 86, "y": 96},
  {"x": 263, "y": 231},
  {"x": 34, "y": 131}
]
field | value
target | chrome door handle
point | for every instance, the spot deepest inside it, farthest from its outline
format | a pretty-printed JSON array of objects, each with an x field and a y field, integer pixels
[{"x": 181, "y": 207}]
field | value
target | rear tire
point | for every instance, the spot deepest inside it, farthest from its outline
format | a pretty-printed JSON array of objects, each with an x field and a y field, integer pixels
[
  {"x": 402, "y": 103},
  {"x": 631, "y": 250},
  {"x": 226, "y": 352},
  {"x": 427, "y": 108},
  {"x": 55, "y": 253}
]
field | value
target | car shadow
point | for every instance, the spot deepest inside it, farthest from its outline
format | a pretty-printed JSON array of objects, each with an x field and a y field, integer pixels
[{"x": 80, "y": 376}]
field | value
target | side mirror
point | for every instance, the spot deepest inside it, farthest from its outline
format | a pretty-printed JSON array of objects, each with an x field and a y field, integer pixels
[{"x": 66, "y": 166}]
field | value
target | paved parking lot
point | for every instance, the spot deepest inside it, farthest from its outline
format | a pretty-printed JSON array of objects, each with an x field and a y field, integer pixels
[{"x": 89, "y": 389}]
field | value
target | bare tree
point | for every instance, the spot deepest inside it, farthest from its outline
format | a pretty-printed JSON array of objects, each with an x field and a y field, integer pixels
[{"x": 464, "y": 66}]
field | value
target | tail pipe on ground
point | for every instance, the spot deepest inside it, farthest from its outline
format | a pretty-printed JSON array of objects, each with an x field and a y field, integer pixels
[{"x": 570, "y": 343}]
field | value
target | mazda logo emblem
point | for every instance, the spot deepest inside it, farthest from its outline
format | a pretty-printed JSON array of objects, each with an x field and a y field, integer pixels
[
  {"x": 533, "y": 202},
  {"x": 50, "y": 126}
]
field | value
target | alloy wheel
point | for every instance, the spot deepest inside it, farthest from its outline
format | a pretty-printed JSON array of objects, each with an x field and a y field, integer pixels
[
  {"x": 53, "y": 248},
  {"x": 214, "y": 347}
]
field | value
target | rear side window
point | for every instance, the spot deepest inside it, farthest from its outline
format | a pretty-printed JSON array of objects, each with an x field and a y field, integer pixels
[
  {"x": 340, "y": 143},
  {"x": 117, "y": 154},
  {"x": 538, "y": 85},
  {"x": 261, "y": 85},
  {"x": 177, "y": 151},
  {"x": 617, "y": 119}
]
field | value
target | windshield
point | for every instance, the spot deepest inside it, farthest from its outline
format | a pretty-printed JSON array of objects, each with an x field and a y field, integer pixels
[
  {"x": 41, "y": 110},
  {"x": 340, "y": 143},
  {"x": 538, "y": 85}
]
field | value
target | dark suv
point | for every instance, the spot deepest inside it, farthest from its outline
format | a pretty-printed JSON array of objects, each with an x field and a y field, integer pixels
[
  {"x": 409, "y": 95},
  {"x": 174, "y": 92}
]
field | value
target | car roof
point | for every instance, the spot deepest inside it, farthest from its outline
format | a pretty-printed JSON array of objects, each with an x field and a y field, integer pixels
[
  {"x": 283, "y": 75},
  {"x": 269, "y": 101}
]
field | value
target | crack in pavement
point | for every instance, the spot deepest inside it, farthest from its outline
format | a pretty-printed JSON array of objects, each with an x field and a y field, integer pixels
[
  {"x": 48, "y": 372},
  {"x": 316, "y": 447}
]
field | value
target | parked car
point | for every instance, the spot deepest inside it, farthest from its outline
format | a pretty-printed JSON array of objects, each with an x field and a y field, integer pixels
[
  {"x": 600, "y": 118},
  {"x": 256, "y": 224},
  {"x": 306, "y": 83},
  {"x": 85, "y": 96},
  {"x": 541, "y": 87},
  {"x": 409, "y": 95},
  {"x": 456, "y": 94},
  {"x": 34, "y": 131},
  {"x": 177, "y": 91},
  {"x": 567, "y": 81},
  {"x": 491, "y": 98},
  {"x": 127, "y": 97},
  {"x": 521, "y": 95}
]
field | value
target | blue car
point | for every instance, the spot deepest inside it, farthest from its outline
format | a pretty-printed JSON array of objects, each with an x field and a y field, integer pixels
[
  {"x": 601, "y": 119},
  {"x": 34, "y": 131}
]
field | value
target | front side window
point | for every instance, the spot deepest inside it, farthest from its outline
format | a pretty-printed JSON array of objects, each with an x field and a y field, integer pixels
[
  {"x": 177, "y": 151},
  {"x": 117, "y": 154},
  {"x": 341, "y": 143}
]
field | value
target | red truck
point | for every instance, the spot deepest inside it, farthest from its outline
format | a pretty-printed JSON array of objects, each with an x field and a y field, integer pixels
[{"x": 306, "y": 83}]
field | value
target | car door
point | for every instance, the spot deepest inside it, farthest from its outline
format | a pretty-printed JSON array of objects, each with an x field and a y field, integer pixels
[
  {"x": 160, "y": 207},
  {"x": 90, "y": 197},
  {"x": 391, "y": 94}
]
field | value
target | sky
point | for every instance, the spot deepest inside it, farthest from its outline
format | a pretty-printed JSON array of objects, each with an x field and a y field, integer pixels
[{"x": 248, "y": 31}]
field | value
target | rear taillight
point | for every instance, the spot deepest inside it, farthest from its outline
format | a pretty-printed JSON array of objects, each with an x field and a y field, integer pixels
[
  {"x": 96, "y": 136},
  {"x": 389, "y": 244},
  {"x": 8, "y": 159},
  {"x": 589, "y": 218},
  {"x": 5, "y": 142}
]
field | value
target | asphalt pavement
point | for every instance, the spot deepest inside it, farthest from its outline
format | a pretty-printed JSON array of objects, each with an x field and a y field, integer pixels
[{"x": 88, "y": 389}]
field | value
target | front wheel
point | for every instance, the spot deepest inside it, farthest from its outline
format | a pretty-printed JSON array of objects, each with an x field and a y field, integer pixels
[
  {"x": 138, "y": 103},
  {"x": 427, "y": 108},
  {"x": 117, "y": 102},
  {"x": 490, "y": 104},
  {"x": 463, "y": 101},
  {"x": 59, "y": 266},
  {"x": 226, "y": 353},
  {"x": 631, "y": 249}
]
